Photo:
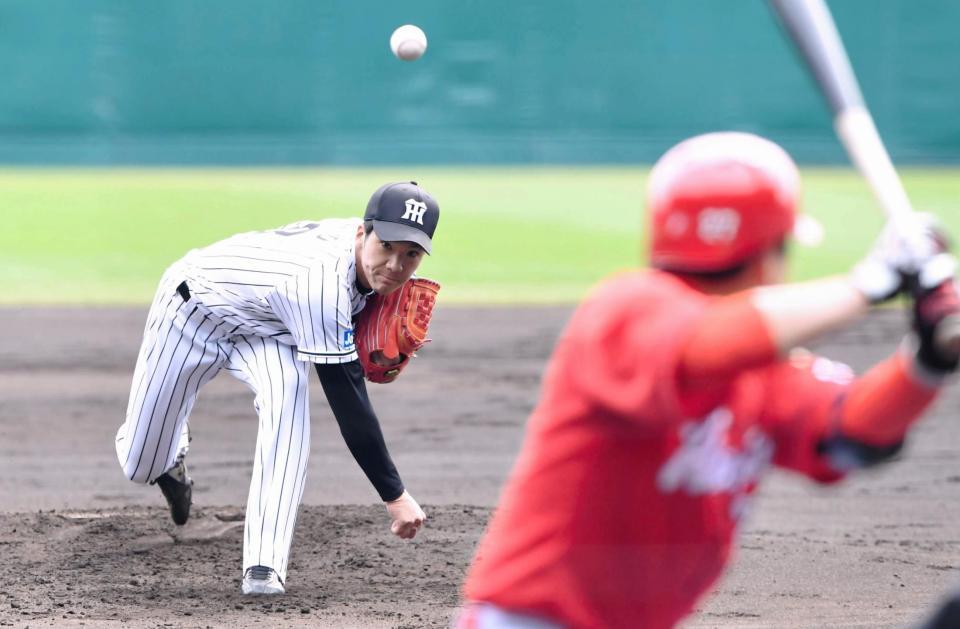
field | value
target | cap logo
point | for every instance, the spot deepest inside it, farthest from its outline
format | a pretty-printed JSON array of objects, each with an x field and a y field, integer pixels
[
  {"x": 414, "y": 212},
  {"x": 717, "y": 225}
]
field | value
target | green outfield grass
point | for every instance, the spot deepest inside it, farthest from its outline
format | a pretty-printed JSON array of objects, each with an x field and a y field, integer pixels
[{"x": 506, "y": 235}]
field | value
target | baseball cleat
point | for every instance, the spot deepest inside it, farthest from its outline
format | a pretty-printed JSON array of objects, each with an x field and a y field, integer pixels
[
  {"x": 261, "y": 580},
  {"x": 177, "y": 488}
]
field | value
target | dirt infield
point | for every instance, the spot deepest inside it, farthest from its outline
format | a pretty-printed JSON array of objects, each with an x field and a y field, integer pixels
[{"x": 83, "y": 546}]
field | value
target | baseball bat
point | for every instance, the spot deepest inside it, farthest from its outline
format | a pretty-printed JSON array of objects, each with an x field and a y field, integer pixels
[{"x": 811, "y": 27}]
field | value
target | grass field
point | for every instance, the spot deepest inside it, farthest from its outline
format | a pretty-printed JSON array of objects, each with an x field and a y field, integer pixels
[{"x": 506, "y": 235}]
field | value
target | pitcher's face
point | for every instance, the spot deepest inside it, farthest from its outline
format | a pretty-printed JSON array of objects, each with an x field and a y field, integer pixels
[{"x": 387, "y": 265}]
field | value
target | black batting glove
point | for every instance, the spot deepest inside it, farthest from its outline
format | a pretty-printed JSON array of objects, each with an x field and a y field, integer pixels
[{"x": 936, "y": 315}]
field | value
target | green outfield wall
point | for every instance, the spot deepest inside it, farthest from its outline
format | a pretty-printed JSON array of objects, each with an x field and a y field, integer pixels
[{"x": 534, "y": 81}]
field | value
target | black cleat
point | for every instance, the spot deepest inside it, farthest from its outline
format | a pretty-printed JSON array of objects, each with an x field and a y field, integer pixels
[{"x": 177, "y": 488}]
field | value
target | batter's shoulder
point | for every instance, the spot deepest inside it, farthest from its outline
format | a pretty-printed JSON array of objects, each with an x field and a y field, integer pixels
[
  {"x": 636, "y": 298},
  {"x": 642, "y": 285}
]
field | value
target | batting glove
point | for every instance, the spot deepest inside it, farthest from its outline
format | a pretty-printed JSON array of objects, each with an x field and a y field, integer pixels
[
  {"x": 936, "y": 315},
  {"x": 876, "y": 279},
  {"x": 900, "y": 251}
]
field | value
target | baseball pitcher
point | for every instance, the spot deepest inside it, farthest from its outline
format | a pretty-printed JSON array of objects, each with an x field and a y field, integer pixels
[
  {"x": 264, "y": 306},
  {"x": 673, "y": 390}
]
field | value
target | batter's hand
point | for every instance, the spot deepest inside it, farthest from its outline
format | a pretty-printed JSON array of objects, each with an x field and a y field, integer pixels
[
  {"x": 406, "y": 516},
  {"x": 936, "y": 303},
  {"x": 901, "y": 250}
]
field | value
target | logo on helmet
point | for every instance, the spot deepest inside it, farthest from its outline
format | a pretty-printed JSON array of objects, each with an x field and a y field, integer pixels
[
  {"x": 414, "y": 211},
  {"x": 718, "y": 225}
]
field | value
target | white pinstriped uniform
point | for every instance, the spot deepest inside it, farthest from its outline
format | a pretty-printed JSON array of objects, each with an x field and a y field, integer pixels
[{"x": 263, "y": 306}]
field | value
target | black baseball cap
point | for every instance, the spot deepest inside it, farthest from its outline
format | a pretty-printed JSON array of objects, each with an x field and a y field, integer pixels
[{"x": 403, "y": 211}]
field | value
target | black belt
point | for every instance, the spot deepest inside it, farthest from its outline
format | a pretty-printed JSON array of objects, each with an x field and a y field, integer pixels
[{"x": 184, "y": 290}]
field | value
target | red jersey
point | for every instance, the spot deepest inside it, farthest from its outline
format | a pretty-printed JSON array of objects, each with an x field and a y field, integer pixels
[{"x": 627, "y": 492}]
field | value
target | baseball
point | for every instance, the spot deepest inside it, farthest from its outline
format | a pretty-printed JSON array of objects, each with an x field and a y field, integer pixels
[{"x": 408, "y": 42}]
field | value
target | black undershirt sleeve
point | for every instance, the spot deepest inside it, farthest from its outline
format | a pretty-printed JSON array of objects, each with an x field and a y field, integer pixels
[
  {"x": 846, "y": 453},
  {"x": 346, "y": 392}
]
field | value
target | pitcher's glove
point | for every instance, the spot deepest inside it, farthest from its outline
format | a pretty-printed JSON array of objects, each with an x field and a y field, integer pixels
[{"x": 392, "y": 327}]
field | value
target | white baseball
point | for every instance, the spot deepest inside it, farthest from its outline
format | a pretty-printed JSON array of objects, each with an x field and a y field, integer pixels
[{"x": 408, "y": 42}]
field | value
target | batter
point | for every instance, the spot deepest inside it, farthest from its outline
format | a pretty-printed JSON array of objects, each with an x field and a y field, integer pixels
[{"x": 672, "y": 391}]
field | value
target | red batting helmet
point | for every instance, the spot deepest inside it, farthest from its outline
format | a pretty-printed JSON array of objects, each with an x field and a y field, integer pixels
[{"x": 716, "y": 200}]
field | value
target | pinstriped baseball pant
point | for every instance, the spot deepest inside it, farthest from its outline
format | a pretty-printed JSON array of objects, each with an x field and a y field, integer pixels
[{"x": 184, "y": 347}]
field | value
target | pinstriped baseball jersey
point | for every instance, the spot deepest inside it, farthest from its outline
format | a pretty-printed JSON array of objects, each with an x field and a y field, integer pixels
[
  {"x": 262, "y": 306},
  {"x": 296, "y": 284}
]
